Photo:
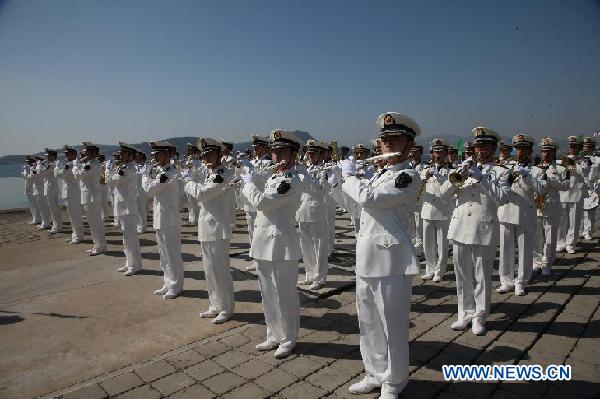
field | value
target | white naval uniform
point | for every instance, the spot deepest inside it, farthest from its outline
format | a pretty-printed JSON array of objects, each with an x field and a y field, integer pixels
[
  {"x": 124, "y": 183},
  {"x": 106, "y": 192},
  {"x": 276, "y": 249},
  {"x": 28, "y": 191},
  {"x": 142, "y": 201},
  {"x": 88, "y": 175},
  {"x": 71, "y": 194},
  {"x": 167, "y": 224},
  {"x": 548, "y": 216},
  {"x": 331, "y": 204},
  {"x": 191, "y": 201},
  {"x": 417, "y": 233},
  {"x": 259, "y": 167},
  {"x": 37, "y": 191},
  {"x": 51, "y": 194},
  {"x": 214, "y": 233},
  {"x": 589, "y": 215},
  {"x": 572, "y": 207},
  {"x": 435, "y": 215},
  {"x": 474, "y": 233},
  {"x": 385, "y": 265},
  {"x": 314, "y": 233},
  {"x": 517, "y": 217}
]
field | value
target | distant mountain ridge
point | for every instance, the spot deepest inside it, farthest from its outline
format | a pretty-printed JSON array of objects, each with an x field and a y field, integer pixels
[{"x": 179, "y": 142}]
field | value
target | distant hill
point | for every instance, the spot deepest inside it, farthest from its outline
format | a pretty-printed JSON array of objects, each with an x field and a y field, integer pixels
[{"x": 179, "y": 142}]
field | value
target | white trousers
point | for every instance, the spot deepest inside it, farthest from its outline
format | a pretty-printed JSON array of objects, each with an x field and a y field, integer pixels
[
  {"x": 42, "y": 206},
  {"x": 545, "y": 241},
  {"x": 75, "y": 217},
  {"x": 250, "y": 218},
  {"x": 171, "y": 263},
  {"x": 331, "y": 227},
  {"x": 435, "y": 245},
  {"x": 105, "y": 209},
  {"x": 131, "y": 242},
  {"x": 35, "y": 218},
  {"x": 315, "y": 248},
  {"x": 473, "y": 265},
  {"x": 116, "y": 213},
  {"x": 142, "y": 205},
  {"x": 418, "y": 237},
  {"x": 277, "y": 281},
  {"x": 215, "y": 260},
  {"x": 193, "y": 209},
  {"x": 587, "y": 224},
  {"x": 93, "y": 213},
  {"x": 55, "y": 215},
  {"x": 568, "y": 231},
  {"x": 383, "y": 306},
  {"x": 523, "y": 235}
]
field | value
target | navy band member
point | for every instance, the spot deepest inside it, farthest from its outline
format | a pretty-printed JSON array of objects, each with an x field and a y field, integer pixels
[
  {"x": 51, "y": 190},
  {"x": 435, "y": 212},
  {"x": 124, "y": 179},
  {"x": 572, "y": 199},
  {"x": 548, "y": 205},
  {"x": 517, "y": 217},
  {"x": 385, "y": 257},
  {"x": 214, "y": 231},
  {"x": 71, "y": 194},
  {"x": 164, "y": 187},
  {"x": 276, "y": 244},
  {"x": 479, "y": 188},
  {"x": 87, "y": 172}
]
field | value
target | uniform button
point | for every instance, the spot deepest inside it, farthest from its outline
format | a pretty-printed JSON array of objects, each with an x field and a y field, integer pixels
[{"x": 468, "y": 213}]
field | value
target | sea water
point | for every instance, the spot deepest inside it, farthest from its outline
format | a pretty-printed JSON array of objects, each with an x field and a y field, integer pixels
[{"x": 12, "y": 187}]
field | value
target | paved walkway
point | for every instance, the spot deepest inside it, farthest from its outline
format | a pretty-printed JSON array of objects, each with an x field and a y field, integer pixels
[{"x": 557, "y": 322}]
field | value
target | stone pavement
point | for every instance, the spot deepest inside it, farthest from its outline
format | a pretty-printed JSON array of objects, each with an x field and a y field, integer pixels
[{"x": 557, "y": 322}]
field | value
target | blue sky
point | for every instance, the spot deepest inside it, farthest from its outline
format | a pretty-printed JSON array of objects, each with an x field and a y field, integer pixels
[{"x": 73, "y": 70}]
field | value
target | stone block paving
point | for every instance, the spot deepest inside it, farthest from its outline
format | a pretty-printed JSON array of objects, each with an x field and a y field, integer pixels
[{"x": 557, "y": 322}]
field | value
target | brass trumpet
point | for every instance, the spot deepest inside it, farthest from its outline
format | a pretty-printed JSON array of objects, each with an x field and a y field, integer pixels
[
  {"x": 460, "y": 176},
  {"x": 540, "y": 201},
  {"x": 568, "y": 162}
]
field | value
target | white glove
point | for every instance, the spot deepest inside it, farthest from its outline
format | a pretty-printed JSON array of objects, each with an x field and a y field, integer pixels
[
  {"x": 76, "y": 162},
  {"x": 348, "y": 168},
  {"x": 475, "y": 173},
  {"x": 186, "y": 175},
  {"x": 521, "y": 170},
  {"x": 145, "y": 171},
  {"x": 467, "y": 163},
  {"x": 248, "y": 177}
]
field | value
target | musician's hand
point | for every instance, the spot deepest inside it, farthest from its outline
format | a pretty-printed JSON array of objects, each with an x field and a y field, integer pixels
[
  {"x": 348, "y": 167},
  {"x": 248, "y": 177},
  {"x": 475, "y": 173},
  {"x": 521, "y": 170}
]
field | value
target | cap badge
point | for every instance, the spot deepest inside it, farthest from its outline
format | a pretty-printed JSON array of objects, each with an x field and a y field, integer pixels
[
  {"x": 520, "y": 137},
  {"x": 479, "y": 131},
  {"x": 388, "y": 120},
  {"x": 277, "y": 134},
  {"x": 546, "y": 141},
  {"x": 203, "y": 143}
]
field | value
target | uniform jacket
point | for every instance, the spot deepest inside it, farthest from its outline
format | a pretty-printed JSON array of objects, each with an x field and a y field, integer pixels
[
  {"x": 124, "y": 180},
  {"x": 215, "y": 204},
  {"x": 556, "y": 179},
  {"x": 37, "y": 181},
  {"x": 435, "y": 207},
  {"x": 165, "y": 190},
  {"x": 578, "y": 188},
  {"x": 475, "y": 218},
  {"x": 312, "y": 200},
  {"x": 383, "y": 246},
  {"x": 520, "y": 208},
  {"x": 275, "y": 236},
  {"x": 259, "y": 167},
  {"x": 28, "y": 184},
  {"x": 46, "y": 171},
  {"x": 70, "y": 187},
  {"x": 88, "y": 175}
]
